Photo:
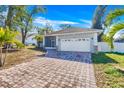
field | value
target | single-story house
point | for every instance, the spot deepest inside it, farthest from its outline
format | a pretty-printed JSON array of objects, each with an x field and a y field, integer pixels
[{"x": 72, "y": 39}]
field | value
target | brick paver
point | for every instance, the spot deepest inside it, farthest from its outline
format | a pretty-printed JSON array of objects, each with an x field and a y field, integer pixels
[{"x": 49, "y": 72}]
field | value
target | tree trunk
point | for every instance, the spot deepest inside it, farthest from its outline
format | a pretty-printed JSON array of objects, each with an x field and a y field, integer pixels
[
  {"x": 1, "y": 57},
  {"x": 38, "y": 44},
  {"x": 4, "y": 60},
  {"x": 23, "y": 36},
  {"x": 8, "y": 21},
  {"x": 23, "y": 39}
]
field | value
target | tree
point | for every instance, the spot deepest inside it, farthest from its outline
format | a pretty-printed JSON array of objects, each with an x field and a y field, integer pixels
[
  {"x": 25, "y": 21},
  {"x": 98, "y": 16},
  {"x": 65, "y": 26},
  {"x": 20, "y": 18},
  {"x": 107, "y": 39},
  {"x": 112, "y": 15},
  {"x": 113, "y": 28},
  {"x": 98, "y": 19},
  {"x": 39, "y": 36},
  {"x": 7, "y": 37},
  {"x": 39, "y": 39},
  {"x": 40, "y": 30},
  {"x": 10, "y": 15},
  {"x": 48, "y": 28},
  {"x": 3, "y": 10},
  {"x": 13, "y": 12}
]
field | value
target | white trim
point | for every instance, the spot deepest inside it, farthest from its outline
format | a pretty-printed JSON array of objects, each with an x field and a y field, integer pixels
[
  {"x": 95, "y": 39},
  {"x": 43, "y": 41},
  {"x": 57, "y": 41},
  {"x": 75, "y": 33},
  {"x": 50, "y": 47}
]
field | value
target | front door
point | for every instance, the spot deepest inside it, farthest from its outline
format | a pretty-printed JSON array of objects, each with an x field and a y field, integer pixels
[{"x": 53, "y": 43}]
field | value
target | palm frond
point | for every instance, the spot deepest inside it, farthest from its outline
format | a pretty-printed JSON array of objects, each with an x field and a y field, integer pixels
[
  {"x": 114, "y": 29},
  {"x": 9, "y": 37},
  {"x": 112, "y": 15},
  {"x": 38, "y": 37}
]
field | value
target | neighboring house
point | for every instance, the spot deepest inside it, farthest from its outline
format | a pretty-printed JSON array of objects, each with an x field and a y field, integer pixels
[
  {"x": 30, "y": 39},
  {"x": 19, "y": 37},
  {"x": 72, "y": 39}
]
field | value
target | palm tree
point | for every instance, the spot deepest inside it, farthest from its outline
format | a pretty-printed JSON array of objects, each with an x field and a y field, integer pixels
[
  {"x": 39, "y": 36},
  {"x": 97, "y": 20},
  {"x": 98, "y": 16},
  {"x": 39, "y": 39},
  {"x": 113, "y": 27},
  {"x": 65, "y": 26},
  {"x": 112, "y": 15},
  {"x": 7, "y": 37}
]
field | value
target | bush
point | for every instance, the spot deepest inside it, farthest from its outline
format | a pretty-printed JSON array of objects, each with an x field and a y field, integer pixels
[{"x": 19, "y": 44}]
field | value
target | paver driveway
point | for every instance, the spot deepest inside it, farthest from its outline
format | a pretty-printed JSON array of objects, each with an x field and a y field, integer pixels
[{"x": 49, "y": 72}]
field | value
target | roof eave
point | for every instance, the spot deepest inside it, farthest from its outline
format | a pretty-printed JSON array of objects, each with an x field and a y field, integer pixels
[{"x": 99, "y": 31}]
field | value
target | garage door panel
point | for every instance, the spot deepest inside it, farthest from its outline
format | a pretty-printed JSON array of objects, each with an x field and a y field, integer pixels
[{"x": 77, "y": 44}]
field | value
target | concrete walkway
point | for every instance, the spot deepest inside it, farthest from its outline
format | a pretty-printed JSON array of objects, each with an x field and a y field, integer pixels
[{"x": 49, "y": 72}]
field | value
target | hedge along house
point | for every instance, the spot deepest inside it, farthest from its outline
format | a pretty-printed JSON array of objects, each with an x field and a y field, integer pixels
[{"x": 71, "y": 40}]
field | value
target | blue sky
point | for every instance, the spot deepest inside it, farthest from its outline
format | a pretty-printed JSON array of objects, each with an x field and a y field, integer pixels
[{"x": 76, "y": 15}]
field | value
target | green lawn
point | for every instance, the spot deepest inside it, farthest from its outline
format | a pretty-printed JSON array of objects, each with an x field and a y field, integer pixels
[{"x": 106, "y": 69}]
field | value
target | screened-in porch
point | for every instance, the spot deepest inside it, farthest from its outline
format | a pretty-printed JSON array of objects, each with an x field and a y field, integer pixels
[{"x": 50, "y": 41}]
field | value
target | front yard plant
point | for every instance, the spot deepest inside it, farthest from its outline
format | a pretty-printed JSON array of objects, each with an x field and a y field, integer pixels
[{"x": 7, "y": 39}]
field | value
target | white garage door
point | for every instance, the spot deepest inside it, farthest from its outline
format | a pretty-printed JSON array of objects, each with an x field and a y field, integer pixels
[{"x": 75, "y": 44}]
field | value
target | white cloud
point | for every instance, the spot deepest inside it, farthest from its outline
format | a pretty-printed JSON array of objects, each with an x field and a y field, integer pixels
[
  {"x": 86, "y": 26},
  {"x": 43, "y": 21},
  {"x": 40, "y": 20},
  {"x": 86, "y": 22},
  {"x": 64, "y": 22},
  {"x": 54, "y": 23}
]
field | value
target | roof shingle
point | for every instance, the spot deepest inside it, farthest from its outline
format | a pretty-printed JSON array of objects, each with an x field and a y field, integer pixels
[{"x": 72, "y": 30}]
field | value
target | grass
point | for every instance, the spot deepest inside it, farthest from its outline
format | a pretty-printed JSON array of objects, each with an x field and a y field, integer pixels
[
  {"x": 21, "y": 56},
  {"x": 107, "y": 75}
]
